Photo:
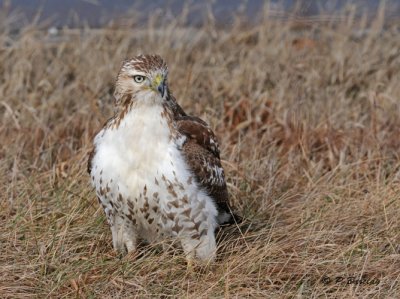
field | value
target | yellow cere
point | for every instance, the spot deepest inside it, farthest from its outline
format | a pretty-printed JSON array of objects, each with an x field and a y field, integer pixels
[{"x": 156, "y": 82}]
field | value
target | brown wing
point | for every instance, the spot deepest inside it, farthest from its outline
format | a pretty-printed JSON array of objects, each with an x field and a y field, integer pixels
[
  {"x": 193, "y": 127},
  {"x": 201, "y": 152},
  {"x": 198, "y": 131},
  {"x": 90, "y": 158}
]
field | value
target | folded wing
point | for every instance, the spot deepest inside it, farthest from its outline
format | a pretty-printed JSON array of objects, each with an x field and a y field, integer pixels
[{"x": 202, "y": 155}]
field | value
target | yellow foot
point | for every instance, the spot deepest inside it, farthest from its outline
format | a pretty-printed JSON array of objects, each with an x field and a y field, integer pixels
[{"x": 190, "y": 266}]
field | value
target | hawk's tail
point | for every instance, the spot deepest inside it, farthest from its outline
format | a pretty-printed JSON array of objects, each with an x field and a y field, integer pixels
[{"x": 229, "y": 218}]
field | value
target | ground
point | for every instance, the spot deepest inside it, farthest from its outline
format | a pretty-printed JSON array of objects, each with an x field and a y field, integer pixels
[{"x": 307, "y": 115}]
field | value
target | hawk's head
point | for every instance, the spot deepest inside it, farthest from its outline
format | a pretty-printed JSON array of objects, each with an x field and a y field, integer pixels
[{"x": 142, "y": 78}]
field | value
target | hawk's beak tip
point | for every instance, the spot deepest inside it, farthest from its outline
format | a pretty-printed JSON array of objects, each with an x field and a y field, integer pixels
[{"x": 161, "y": 89}]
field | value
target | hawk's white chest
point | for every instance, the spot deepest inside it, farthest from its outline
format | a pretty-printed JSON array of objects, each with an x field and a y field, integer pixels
[
  {"x": 141, "y": 177},
  {"x": 138, "y": 148}
]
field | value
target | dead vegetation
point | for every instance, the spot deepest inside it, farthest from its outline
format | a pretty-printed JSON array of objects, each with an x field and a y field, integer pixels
[{"x": 308, "y": 120}]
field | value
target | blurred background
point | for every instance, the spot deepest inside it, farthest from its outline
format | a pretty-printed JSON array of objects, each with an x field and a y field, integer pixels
[{"x": 97, "y": 13}]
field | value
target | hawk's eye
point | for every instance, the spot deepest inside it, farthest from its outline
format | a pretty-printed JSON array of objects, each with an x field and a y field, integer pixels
[{"x": 139, "y": 79}]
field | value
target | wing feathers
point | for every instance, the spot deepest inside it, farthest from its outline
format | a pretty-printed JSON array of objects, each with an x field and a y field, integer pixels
[
  {"x": 197, "y": 130},
  {"x": 201, "y": 151}
]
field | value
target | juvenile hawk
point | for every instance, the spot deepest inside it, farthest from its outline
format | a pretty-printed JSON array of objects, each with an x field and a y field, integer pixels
[{"x": 157, "y": 170}]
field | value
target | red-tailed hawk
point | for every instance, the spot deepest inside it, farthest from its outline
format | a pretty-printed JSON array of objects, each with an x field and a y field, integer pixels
[{"x": 157, "y": 170}]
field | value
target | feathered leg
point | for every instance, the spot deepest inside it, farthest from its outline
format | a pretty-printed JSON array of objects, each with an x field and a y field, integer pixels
[
  {"x": 124, "y": 234},
  {"x": 203, "y": 248}
]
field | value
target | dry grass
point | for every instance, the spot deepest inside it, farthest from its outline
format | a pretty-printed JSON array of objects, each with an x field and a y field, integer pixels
[{"x": 308, "y": 120}]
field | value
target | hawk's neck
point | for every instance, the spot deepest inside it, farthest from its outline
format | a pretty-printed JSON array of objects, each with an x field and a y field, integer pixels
[{"x": 152, "y": 118}]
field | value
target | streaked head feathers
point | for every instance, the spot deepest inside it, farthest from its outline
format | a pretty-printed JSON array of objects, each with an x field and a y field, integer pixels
[{"x": 144, "y": 74}]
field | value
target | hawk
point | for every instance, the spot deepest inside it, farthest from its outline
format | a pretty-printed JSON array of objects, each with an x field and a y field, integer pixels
[{"x": 156, "y": 170}]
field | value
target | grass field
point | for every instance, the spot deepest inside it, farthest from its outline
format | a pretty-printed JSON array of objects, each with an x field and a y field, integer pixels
[{"x": 307, "y": 115}]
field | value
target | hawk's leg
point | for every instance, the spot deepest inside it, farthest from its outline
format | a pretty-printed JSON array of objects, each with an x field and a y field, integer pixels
[
  {"x": 190, "y": 253},
  {"x": 204, "y": 248},
  {"x": 124, "y": 234}
]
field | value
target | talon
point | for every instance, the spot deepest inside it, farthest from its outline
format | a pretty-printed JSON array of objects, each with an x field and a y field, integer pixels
[{"x": 190, "y": 267}]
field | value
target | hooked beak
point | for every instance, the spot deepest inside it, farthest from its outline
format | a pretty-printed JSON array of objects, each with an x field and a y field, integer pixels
[
  {"x": 161, "y": 89},
  {"x": 158, "y": 84}
]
